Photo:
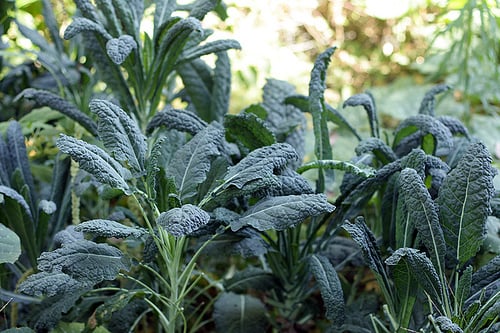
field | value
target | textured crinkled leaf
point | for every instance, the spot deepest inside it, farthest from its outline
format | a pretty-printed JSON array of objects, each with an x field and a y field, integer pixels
[
  {"x": 427, "y": 105},
  {"x": 87, "y": 8},
  {"x": 46, "y": 98},
  {"x": 53, "y": 307},
  {"x": 120, "y": 134},
  {"x": 252, "y": 278},
  {"x": 19, "y": 158},
  {"x": 209, "y": 48},
  {"x": 280, "y": 213},
  {"x": 130, "y": 14},
  {"x": 404, "y": 285},
  {"x": 85, "y": 261},
  {"x": 245, "y": 243},
  {"x": 376, "y": 147},
  {"x": 486, "y": 275},
  {"x": 454, "y": 125},
  {"x": 14, "y": 195},
  {"x": 198, "y": 82},
  {"x": 317, "y": 86},
  {"x": 163, "y": 12},
  {"x": 464, "y": 202},
  {"x": 82, "y": 24},
  {"x": 184, "y": 220},
  {"x": 248, "y": 130},
  {"x": 181, "y": 120},
  {"x": 6, "y": 168},
  {"x": 176, "y": 36},
  {"x": 221, "y": 88},
  {"x": 95, "y": 161},
  {"x": 423, "y": 215},
  {"x": 368, "y": 103},
  {"x": 359, "y": 191},
  {"x": 118, "y": 49},
  {"x": 421, "y": 269},
  {"x": 190, "y": 164},
  {"x": 415, "y": 129},
  {"x": 49, "y": 284},
  {"x": 289, "y": 182},
  {"x": 108, "y": 229},
  {"x": 68, "y": 235},
  {"x": 259, "y": 164},
  {"x": 239, "y": 313},
  {"x": 463, "y": 288},
  {"x": 446, "y": 325},
  {"x": 46, "y": 206},
  {"x": 365, "y": 239},
  {"x": 330, "y": 287},
  {"x": 10, "y": 245},
  {"x": 287, "y": 121},
  {"x": 112, "y": 22},
  {"x": 200, "y": 8}
]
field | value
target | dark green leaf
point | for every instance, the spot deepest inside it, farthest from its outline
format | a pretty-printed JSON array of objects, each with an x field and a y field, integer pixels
[
  {"x": 411, "y": 132},
  {"x": 486, "y": 275},
  {"x": 280, "y": 213},
  {"x": 422, "y": 214},
  {"x": 317, "y": 86},
  {"x": 365, "y": 239},
  {"x": 248, "y": 130},
  {"x": 67, "y": 235},
  {"x": 454, "y": 125},
  {"x": 404, "y": 283},
  {"x": 378, "y": 148},
  {"x": 120, "y": 134},
  {"x": 197, "y": 79},
  {"x": 464, "y": 202},
  {"x": 190, "y": 164},
  {"x": 209, "y": 48},
  {"x": 239, "y": 313},
  {"x": 118, "y": 49},
  {"x": 421, "y": 270},
  {"x": 221, "y": 88},
  {"x": 464, "y": 287},
  {"x": 330, "y": 287},
  {"x": 259, "y": 164},
  {"x": 368, "y": 103},
  {"x": 95, "y": 161},
  {"x": 81, "y": 24},
  {"x": 289, "y": 182},
  {"x": 109, "y": 228},
  {"x": 200, "y": 8},
  {"x": 181, "y": 120},
  {"x": 19, "y": 160},
  {"x": 446, "y": 325},
  {"x": 428, "y": 103},
  {"x": 163, "y": 11},
  {"x": 184, "y": 220},
  {"x": 49, "y": 284},
  {"x": 54, "y": 307},
  {"x": 85, "y": 261},
  {"x": 252, "y": 278},
  {"x": 108, "y": 9}
]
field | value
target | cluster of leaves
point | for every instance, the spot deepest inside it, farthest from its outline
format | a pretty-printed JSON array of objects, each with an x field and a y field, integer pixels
[
  {"x": 187, "y": 185},
  {"x": 434, "y": 186}
]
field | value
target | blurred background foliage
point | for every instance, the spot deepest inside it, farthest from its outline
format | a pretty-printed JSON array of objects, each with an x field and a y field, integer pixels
[{"x": 396, "y": 49}]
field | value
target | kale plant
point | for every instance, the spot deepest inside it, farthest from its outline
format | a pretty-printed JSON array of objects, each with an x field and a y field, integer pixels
[{"x": 434, "y": 189}]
